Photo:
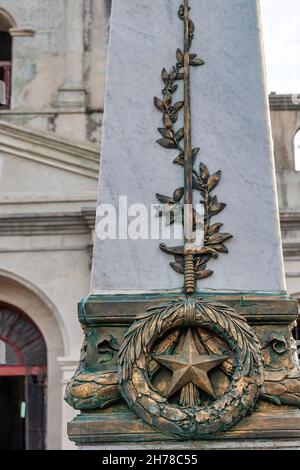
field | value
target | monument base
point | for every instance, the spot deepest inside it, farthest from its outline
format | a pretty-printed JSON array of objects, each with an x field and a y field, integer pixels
[
  {"x": 266, "y": 428},
  {"x": 106, "y": 422}
]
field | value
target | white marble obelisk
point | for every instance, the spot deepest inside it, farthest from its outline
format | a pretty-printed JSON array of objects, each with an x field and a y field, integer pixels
[{"x": 230, "y": 124}]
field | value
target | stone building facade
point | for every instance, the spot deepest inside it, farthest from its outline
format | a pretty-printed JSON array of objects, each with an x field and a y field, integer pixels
[
  {"x": 52, "y": 74},
  {"x": 285, "y": 123}
]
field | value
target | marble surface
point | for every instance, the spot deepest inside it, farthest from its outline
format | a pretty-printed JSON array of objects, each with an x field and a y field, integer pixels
[{"x": 230, "y": 124}]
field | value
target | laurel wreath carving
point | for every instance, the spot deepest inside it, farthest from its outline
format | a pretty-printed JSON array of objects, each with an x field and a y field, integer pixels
[
  {"x": 188, "y": 422},
  {"x": 202, "y": 180}
]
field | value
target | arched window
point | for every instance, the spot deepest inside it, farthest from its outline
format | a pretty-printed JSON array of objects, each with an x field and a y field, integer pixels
[
  {"x": 6, "y": 22},
  {"x": 297, "y": 150}
]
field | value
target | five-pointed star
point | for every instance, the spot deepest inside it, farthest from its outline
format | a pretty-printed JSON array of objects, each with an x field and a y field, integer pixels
[{"x": 190, "y": 367}]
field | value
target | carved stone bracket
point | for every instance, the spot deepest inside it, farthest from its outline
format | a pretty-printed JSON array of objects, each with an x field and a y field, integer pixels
[{"x": 93, "y": 391}]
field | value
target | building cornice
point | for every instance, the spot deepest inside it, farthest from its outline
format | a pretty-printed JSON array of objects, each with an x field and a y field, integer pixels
[
  {"x": 21, "y": 32},
  {"x": 291, "y": 250},
  {"x": 83, "y": 222},
  {"x": 59, "y": 223},
  {"x": 284, "y": 102},
  {"x": 290, "y": 220},
  {"x": 82, "y": 159}
]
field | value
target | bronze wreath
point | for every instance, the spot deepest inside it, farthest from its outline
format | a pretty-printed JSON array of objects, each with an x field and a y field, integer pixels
[{"x": 187, "y": 422}]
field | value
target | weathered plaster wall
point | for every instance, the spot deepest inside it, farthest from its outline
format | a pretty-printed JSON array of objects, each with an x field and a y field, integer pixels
[
  {"x": 44, "y": 61},
  {"x": 45, "y": 241},
  {"x": 37, "y": 60},
  {"x": 285, "y": 118},
  {"x": 48, "y": 187},
  {"x": 285, "y": 124}
]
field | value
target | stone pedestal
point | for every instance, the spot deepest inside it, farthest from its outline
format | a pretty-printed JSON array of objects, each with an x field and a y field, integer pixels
[
  {"x": 137, "y": 316},
  {"x": 273, "y": 423}
]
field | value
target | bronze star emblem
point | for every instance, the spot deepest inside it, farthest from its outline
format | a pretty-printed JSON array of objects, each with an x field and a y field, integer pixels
[{"x": 190, "y": 367}]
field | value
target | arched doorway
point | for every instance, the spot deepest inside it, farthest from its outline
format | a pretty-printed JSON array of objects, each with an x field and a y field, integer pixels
[{"x": 23, "y": 379}]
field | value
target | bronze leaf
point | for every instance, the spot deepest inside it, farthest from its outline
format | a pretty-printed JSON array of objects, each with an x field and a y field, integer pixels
[
  {"x": 159, "y": 104},
  {"x": 164, "y": 199},
  {"x": 173, "y": 74},
  {"x": 221, "y": 248},
  {"x": 177, "y": 267},
  {"x": 172, "y": 250},
  {"x": 195, "y": 152},
  {"x": 167, "y": 121},
  {"x": 179, "y": 160},
  {"x": 180, "y": 134},
  {"x": 204, "y": 173},
  {"x": 214, "y": 228},
  {"x": 196, "y": 62},
  {"x": 178, "y": 194},
  {"x": 217, "y": 207},
  {"x": 165, "y": 76},
  {"x": 167, "y": 100},
  {"x": 196, "y": 184},
  {"x": 179, "y": 56},
  {"x": 203, "y": 274},
  {"x": 218, "y": 238},
  {"x": 167, "y": 133},
  {"x": 214, "y": 180},
  {"x": 167, "y": 143},
  {"x": 177, "y": 106}
]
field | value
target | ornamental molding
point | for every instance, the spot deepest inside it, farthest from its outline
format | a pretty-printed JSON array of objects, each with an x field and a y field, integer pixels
[
  {"x": 288, "y": 102},
  {"x": 291, "y": 250},
  {"x": 290, "y": 220},
  {"x": 58, "y": 223},
  {"x": 82, "y": 159},
  {"x": 22, "y": 32}
]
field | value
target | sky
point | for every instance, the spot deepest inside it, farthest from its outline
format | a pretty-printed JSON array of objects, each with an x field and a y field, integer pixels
[{"x": 281, "y": 31}]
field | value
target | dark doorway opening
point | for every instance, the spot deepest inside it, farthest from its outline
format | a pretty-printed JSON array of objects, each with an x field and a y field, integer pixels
[
  {"x": 12, "y": 401},
  {"x": 23, "y": 382}
]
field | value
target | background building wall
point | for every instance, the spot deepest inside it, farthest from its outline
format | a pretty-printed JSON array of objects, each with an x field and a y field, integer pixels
[
  {"x": 49, "y": 160},
  {"x": 58, "y": 72},
  {"x": 49, "y": 163},
  {"x": 285, "y": 119}
]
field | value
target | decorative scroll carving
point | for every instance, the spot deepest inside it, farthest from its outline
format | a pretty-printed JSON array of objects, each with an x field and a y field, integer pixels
[
  {"x": 189, "y": 259},
  {"x": 218, "y": 414},
  {"x": 106, "y": 348},
  {"x": 92, "y": 391},
  {"x": 275, "y": 340}
]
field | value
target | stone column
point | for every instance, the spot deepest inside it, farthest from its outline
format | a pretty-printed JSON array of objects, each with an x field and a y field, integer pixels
[
  {"x": 148, "y": 331},
  {"x": 72, "y": 92},
  {"x": 68, "y": 366},
  {"x": 230, "y": 123}
]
